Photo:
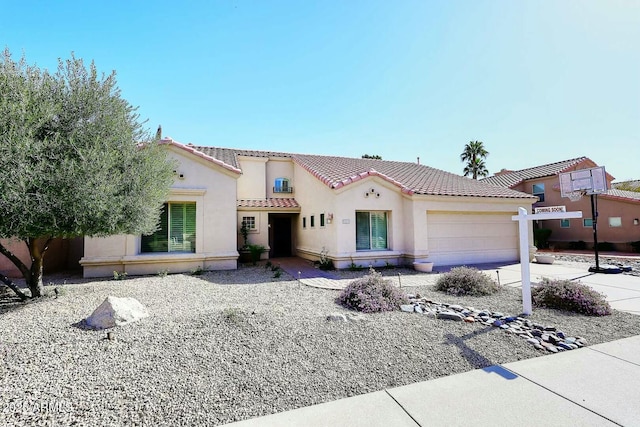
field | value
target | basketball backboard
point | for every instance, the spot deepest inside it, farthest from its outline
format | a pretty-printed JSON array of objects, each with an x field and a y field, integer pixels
[{"x": 583, "y": 181}]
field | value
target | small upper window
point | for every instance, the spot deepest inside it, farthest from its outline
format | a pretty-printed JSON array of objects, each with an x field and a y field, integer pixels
[
  {"x": 304, "y": 222},
  {"x": 587, "y": 222},
  {"x": 615, "y": 221},
  {"x": 312, "y": 220},
  {"x": 538, "y": 190},
  {"x": 565, "y": 223},
  {"x": 282, "y": 186},
  {"x": 321, "y": 220}
]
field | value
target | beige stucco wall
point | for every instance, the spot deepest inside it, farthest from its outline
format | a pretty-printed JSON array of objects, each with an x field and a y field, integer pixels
[
  {"x": 279, "y": 168},
  {"x": 408, "y": 237},
  {"x": 252, "y": 183},
  {"x": 213, "y": 189}
]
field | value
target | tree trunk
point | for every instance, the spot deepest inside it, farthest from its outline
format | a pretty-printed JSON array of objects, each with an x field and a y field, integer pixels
[
  {"x": 34, "y": 281},
  {"x": 26, "y": 272},
  {"x": 13, "y": 287}
]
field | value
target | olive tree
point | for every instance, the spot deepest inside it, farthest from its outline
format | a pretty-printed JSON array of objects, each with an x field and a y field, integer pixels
[{"x": 76, "y": 161}]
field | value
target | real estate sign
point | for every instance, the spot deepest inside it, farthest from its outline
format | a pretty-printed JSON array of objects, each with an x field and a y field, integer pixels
[{"x": 550, "y": 209}]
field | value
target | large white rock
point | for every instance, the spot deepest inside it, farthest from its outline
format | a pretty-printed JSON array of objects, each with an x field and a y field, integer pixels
[{"x": 115, "y": 311}]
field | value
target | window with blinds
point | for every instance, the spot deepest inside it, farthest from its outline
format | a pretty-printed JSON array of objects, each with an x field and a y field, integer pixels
[
  {"x": 176, "y": 231},
  {"x": 371, "y": 231}
]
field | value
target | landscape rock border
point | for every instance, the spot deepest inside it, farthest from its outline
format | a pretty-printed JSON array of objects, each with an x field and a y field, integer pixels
[{"x": 542, "y": 337}]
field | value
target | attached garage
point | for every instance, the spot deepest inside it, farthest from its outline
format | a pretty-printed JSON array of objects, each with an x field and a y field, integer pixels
[{"x": 457, "y": 238}]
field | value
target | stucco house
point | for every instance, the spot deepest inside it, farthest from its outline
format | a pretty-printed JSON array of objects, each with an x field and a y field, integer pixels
[
  {"x": 618, "y": 210},
  {"x": 360, "y": 211}
]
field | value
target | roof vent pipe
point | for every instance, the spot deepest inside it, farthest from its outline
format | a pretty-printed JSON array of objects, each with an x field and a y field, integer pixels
[{"x": 418, "y": 159}]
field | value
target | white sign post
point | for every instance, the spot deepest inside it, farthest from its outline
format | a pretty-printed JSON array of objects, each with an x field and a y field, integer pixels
[{"x": 523, "y": 219}]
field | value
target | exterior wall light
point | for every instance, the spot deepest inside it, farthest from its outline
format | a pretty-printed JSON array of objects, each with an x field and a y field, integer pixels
[
  {"x": 635, "y": 221},
  {"x": 329, "y": 218}
]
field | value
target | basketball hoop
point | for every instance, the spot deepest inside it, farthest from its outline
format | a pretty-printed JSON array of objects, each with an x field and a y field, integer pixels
[{"x": 574, "y": 196}]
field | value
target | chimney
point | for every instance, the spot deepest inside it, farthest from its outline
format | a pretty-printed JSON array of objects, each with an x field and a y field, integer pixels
[{"x": 418, "y": 159}]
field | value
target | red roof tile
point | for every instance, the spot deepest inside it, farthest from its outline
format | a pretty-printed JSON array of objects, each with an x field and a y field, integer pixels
[
  {"x": 269, "y": 203},
  {"x": 510, "y": 179},
  {"x": 410, "y": 178}
]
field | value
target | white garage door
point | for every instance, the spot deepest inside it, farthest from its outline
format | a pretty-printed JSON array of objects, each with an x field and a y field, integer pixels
[{"x": 456, "y": 238}]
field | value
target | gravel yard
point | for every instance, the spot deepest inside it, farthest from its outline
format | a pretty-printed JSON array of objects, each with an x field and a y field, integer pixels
[{"x": 227, "y": 346}]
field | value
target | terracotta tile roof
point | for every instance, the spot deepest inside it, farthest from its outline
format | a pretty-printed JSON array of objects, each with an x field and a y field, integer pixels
[
  {"x": 336, "y": 172},
  {"x": 630, "y": 184},
  {"x": 622, "y": 194},
  {"x": 411, "y": 178},
  {"x": 269, "y": 203},
  {"x": 512, "y": 178},
  {"x": 230, "y": 155},
  {"x": 212, "y": 157}
]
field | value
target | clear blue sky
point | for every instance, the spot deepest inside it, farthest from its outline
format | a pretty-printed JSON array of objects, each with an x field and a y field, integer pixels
[{"x": 536, "y": 81}]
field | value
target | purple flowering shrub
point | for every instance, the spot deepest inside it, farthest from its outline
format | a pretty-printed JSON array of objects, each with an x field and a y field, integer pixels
[
  {"x": 372, "y": 293},
  {"x": 571, "y": 296},
  {"x": 466, "y": 281}
]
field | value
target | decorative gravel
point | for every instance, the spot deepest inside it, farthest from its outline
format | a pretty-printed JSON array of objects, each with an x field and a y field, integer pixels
[{"x": 227, "y": 346}]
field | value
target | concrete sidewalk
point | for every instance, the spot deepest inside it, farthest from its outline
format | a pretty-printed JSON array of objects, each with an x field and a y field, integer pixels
[{"x": 592, "y": 386}]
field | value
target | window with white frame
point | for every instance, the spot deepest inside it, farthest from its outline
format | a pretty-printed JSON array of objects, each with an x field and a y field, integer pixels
[
  {"x": 249, "y": 222},
  {"x": 615, "y": 221},
  {"x": 282, "y": 186},
  {"x": 176, "y": 231},
  {"x": 565, "y": 223},
  {"x": 538, "y": 190},
  {"x": 371, "y": 230}
]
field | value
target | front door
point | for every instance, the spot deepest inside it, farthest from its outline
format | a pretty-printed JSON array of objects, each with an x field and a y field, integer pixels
[{"x": 280, "y": 235}]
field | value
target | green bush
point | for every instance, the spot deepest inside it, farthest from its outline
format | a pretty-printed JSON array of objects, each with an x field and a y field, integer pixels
[
  {"x": 372, "y": 293},
  {"x": 466, "y": 281},
  {"x": 256, "y": 251},
  {"x": 541, "y": 237},
  {"x": 564, "y": 294}
]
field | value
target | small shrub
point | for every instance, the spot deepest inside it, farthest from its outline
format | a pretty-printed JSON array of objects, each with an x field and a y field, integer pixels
[
  {"x": 354, "y": 267},
  {"x": 267, "y": 264},
  {"x": 198, "y": 271},
  {"x": 606, "y": 246},
  {"x": 163, "y": 273},
  {"x": 325, "y": 262},
  {"x": 277, "y": 273},
  {"x": 388, "y": 265},
  {"x": 372, "y": 293},
  {"x": 256, "y": 251},
  {"x": 119, "y": 276},
  {"x": 466, "y": 281},
  {"x": 541, "y": 237},
  {"x": 579, "y": 245},
  {"x": 564, "y": 294},
  {"x": 635, "y": 246}
]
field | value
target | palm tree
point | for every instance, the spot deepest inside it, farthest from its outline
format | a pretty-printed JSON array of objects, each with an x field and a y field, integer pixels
[{"x": 474, "y": 154}]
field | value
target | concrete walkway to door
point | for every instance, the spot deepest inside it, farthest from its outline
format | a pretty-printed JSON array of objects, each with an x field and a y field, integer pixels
[{"x": 307, "y": 273}]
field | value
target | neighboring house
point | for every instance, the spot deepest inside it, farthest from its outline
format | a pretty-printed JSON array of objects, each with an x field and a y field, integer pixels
[
  {"x": 618, "y": 210},
  {"x": 360, "y": 211}
]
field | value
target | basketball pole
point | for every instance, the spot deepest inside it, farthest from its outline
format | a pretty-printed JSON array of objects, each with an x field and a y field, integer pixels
[{"x": 594, "y": 223}]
